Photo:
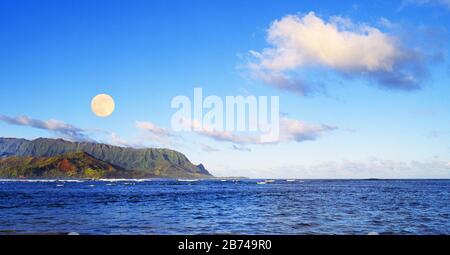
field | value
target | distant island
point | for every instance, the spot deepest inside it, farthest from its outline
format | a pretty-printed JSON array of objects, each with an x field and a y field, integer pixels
[{"x": 57, "y": 158}]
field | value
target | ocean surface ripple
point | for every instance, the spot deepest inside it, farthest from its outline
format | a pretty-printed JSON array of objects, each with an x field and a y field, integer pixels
[{"x": 147, "y": 207}]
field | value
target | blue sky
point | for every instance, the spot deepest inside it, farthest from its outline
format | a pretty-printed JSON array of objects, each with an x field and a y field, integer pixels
[{"x": 56, "y": 55}]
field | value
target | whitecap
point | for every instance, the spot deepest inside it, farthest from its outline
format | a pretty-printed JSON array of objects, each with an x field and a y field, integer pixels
[
  {"x": 188, "y": 180},
  {"x": 125, "y": 180},
  {"x": 27, "y": 180},
  {"x": 75, "y": 180}
]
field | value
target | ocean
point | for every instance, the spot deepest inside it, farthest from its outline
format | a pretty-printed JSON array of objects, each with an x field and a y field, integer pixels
[{"x": 148, "y": 207}]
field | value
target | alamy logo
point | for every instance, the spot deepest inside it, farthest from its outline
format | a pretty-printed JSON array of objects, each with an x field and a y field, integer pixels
[{"x": 236, "y": 114}]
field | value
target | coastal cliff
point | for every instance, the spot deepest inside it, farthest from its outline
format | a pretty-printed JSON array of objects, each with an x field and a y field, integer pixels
[{"x": 108, "y": 161}]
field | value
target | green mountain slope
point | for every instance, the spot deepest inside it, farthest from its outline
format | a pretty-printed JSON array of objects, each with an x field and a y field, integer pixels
[
  {"x": 151, "y": 162},
  {"x": 71, "y": 165}
]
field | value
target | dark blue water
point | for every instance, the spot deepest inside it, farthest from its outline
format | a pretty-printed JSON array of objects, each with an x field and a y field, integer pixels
[{"x": 225, "y": 207}]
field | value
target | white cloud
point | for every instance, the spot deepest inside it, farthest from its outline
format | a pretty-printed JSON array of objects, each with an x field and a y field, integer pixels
[
  {"x": 116, "y": 140},
  {"x": 295, "y": 130},
  {"x": 151, "y": 128},
  {"x": 362, "y": 169},
  {"x": 241, "y": 148},
  {"x": 208, "y": 148},
  {"x": 290, "y": 130},
  {"x": 217, "y": 135},
  {"x": 305, "y": 42},
  {"x": 57, "y": 127},
  {"x": 154, "y": 133}
]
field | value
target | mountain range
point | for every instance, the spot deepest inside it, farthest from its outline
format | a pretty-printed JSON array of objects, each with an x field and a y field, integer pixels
[{"x": 57, "y": 158}]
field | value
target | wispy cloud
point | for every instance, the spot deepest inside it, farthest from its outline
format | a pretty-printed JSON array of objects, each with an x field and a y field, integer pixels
[
  {"x": 208, "y": 148},
  {"x": 290, "y": 130},
  {"x": 152, "y": 128},
  {"x": 299, "y": 131},
  {"x": 224, "y": 136},
  {"x": 336, "y": 45},
  {"x": 116, "y": 140},
  {"x": 59, "y": 128},
  {"x": 356, "y": 169},
  {"x": 154, "y": 133},
  {"x": 241, "y": 148}
]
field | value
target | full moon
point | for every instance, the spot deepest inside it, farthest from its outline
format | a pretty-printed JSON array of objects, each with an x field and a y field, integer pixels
[{"x": 102, "y": 105}]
